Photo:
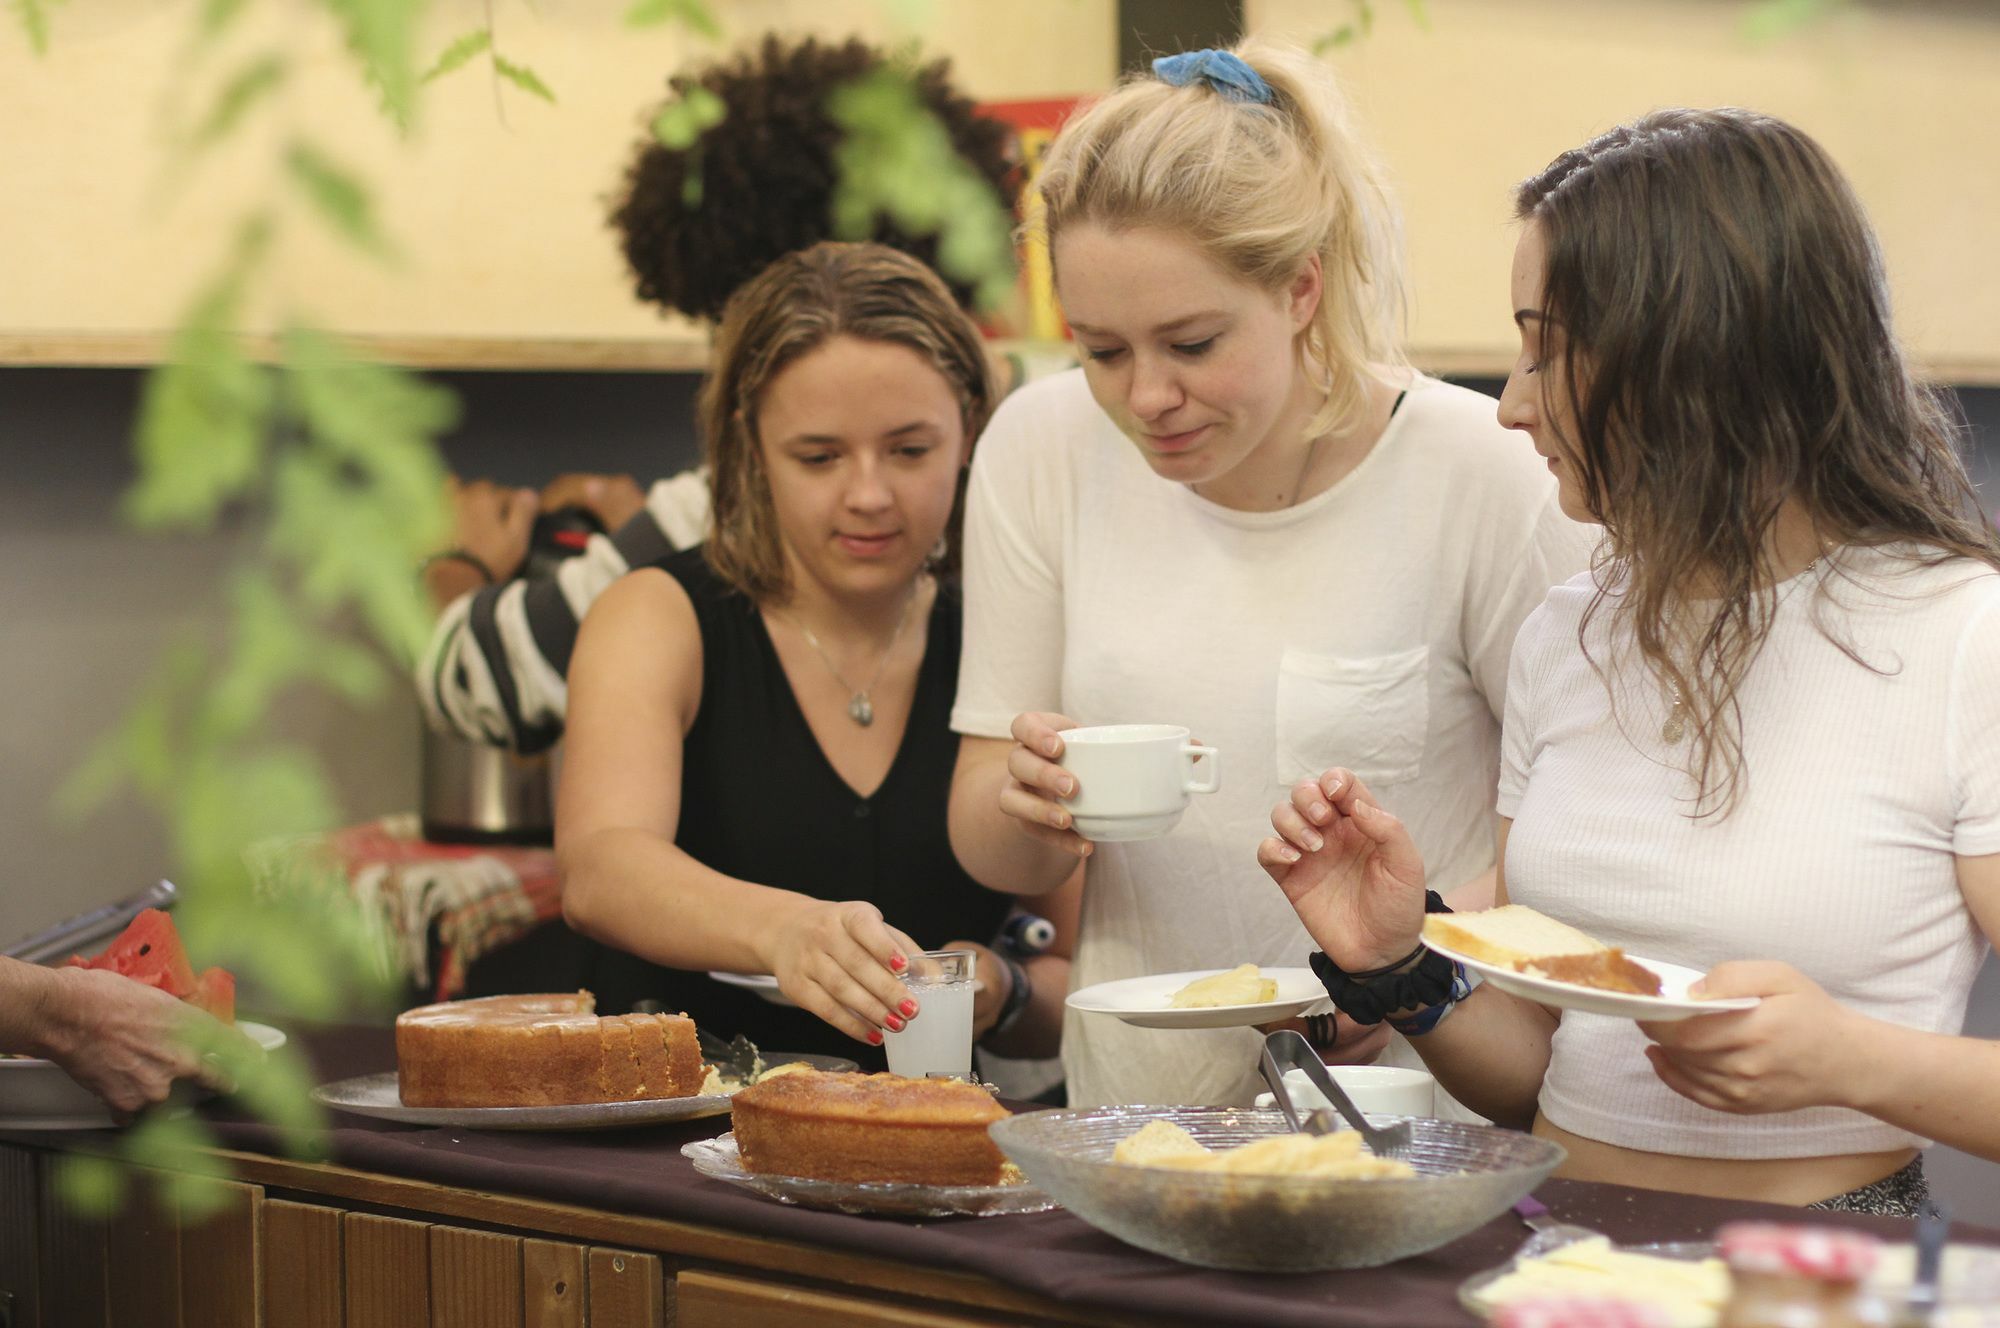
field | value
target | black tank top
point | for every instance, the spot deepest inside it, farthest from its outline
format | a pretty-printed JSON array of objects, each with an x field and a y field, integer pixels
[{"x": 749, "y": 740}]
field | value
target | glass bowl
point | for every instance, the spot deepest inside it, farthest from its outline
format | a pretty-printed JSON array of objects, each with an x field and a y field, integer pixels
[{"x": 1467, "y": 1175}]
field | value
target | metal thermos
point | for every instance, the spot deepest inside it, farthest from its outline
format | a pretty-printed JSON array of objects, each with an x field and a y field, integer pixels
[{"x": 476, "y": 794}]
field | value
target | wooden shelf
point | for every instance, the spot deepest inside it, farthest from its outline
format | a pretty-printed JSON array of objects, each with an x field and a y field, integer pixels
[
  {"x": 672, "y": 354},
  {"x": 677, "y": 353}
]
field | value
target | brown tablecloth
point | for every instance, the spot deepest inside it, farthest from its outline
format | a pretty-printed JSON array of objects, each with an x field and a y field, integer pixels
[{"x": 1055, "y": 1254}]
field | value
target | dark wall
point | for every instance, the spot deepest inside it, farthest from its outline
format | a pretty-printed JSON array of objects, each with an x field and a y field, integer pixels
[{"x": 1149, "y": 28}]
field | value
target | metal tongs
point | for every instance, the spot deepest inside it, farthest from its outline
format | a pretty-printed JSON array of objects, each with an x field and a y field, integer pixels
[
  {"x": 86, "y": 930},
  {"x": 1286, "y": 1049}
]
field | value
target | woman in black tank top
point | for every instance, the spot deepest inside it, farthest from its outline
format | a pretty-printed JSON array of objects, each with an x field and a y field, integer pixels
[{"x": 759, "y": 753}]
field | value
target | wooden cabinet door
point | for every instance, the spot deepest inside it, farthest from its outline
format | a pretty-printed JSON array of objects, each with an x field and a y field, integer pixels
[
  {"x": 220, "y": 1261},
  {"x": 304, "y": 1282},
  {"x": 716, "y": 1300},
  {"x": 475, "y": 1279},
  {"x": 626, "y": 1290},
  {"x": 387, "y": 1272}
]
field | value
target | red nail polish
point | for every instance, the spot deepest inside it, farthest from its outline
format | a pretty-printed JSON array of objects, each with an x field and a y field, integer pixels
[
  {"x": 908, "y": 1008},
  {"x": 875, "y": 1037},
  {"x": 895, "y": 1024},
  {"x": 897, "y": 963}
]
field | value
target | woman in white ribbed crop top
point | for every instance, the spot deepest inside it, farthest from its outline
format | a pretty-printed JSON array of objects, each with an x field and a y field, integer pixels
[{"x": 1762, "y": 737}]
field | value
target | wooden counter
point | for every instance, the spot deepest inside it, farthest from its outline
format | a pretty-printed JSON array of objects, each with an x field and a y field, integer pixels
[{"x": 310, "y": 1245}]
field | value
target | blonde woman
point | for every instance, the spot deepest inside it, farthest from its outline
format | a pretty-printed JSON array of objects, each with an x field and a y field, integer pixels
[
  {"x": 758, "y": 751},
  {"x": 1227, "y": 258}
]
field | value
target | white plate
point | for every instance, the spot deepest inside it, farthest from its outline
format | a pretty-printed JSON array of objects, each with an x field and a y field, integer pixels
[
  {"x": 762, "y": 983},
  {"x": 718, "y": 1159},
  {"x": 1147, "y": 1001},
  {"x": 1671, "y": 1004},
  {"x": 377, "y": 1095},
  {"x": 39, "y": 1095}
]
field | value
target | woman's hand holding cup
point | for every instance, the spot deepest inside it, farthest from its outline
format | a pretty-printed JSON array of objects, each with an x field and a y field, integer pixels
[
  {"x": 1350, "y": 870},
  {"x": 1036, "y": 783},
  {"x": 840, "y": 960}
]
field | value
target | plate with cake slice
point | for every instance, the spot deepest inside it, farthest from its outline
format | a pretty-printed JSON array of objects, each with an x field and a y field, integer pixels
[
  {"x": 877, "y": 1144},
  {"x": 544, "y": 1061},
  {"x": 1207, "y": 998},
  {"x": 1533, "y": 956}
]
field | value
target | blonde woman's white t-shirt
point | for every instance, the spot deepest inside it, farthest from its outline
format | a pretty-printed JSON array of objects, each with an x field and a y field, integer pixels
[
  {"x": 1864, "y": 781},
  {"x": 1369, "y": 626}
]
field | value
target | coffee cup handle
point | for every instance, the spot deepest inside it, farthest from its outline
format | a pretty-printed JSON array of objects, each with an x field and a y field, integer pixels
[{"x": 1191, "y": 750}]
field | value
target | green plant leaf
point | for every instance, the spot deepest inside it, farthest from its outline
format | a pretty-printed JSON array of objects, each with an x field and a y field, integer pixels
[
  {"x": 1773, "y": 20},
  {"x": 203, "y": 417},
  {"x": 459, "y": 53},
  {"x": 273, "y": 647},
  {"x": 217, "y": 15},
  {"x": 340, "y": 199},
  {"x": 682, "y": 121},
  {"x": 693, "y": 15},
  {"x": 229, "y": 799},
  {"x": 257, "y": 79},
  {"x": 34, "y": 16},
  {"x": 381, "y": 36},
  {"x": 522, "y": 77},
  {"x": 140, "y": 749},
  {"x": 90, "y": 1184},
  {"x": 895, "y": 158}
]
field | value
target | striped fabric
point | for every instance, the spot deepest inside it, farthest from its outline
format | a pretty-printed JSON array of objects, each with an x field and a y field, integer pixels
[{"x": 494, "y": 669}]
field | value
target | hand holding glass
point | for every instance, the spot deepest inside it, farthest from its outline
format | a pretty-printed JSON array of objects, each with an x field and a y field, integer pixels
[{"x": 938, "y": 1040}]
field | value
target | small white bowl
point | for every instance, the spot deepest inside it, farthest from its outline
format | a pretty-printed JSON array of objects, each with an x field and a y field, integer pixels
[{"x": 1379, "y": 1090}]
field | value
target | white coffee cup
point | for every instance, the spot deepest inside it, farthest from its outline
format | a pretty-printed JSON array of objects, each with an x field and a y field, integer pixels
[
  {"x": 1133, "y": 780},
  {"x": 1379, "y": 1090}
]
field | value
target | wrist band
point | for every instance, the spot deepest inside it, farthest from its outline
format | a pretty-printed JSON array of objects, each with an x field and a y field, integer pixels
[
  {"x": 1018, "y": 995},
  {"x": 466, "y": 556},
  {"x": 1418, "y": 982}
]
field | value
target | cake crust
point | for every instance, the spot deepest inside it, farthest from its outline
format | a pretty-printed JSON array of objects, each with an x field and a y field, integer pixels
[
  {"x": 541, "y": 1050},
  {"x": 868, "y": 1127},
  {"x": 1605, "y": 970}
]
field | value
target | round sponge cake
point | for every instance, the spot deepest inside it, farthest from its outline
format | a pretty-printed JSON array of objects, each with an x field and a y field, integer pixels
[
  {"x": 541, "y": 1051},
  {"x": 868, "y": 1127}
]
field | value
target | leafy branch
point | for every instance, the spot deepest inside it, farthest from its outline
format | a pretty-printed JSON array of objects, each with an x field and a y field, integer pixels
[
  {"x": 896, "y": 159},
  {"x": 1363, "y": 23},
  {"x": 470, "y": 46}
]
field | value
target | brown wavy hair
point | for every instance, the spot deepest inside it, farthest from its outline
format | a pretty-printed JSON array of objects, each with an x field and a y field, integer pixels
[
  {"x": 795, "y": 306},
  {"x": 1726, "y": 315}
]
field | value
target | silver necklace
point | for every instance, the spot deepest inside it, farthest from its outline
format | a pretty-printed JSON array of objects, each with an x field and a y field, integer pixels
[
  {"x": 1675, "y": 727},
  {"x": 1298, "y": 481},
  {"x": 860, "y": 708}
]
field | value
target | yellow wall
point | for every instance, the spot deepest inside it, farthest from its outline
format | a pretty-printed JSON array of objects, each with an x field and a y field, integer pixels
[
  {"x": 498, "y": 205},
  {"x": 1905, "y": 96}
]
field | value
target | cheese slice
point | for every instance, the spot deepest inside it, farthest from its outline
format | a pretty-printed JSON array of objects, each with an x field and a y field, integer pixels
[{"x": 1242, "y": 985}]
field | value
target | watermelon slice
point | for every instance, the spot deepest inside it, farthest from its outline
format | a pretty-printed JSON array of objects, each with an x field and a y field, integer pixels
[
  {"x": 149, "y": 950},
  {"x": 215, "y": 992}
]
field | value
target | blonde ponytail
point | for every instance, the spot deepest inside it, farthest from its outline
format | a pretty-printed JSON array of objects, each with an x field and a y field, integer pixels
[{"x": 1260, "y": 188}]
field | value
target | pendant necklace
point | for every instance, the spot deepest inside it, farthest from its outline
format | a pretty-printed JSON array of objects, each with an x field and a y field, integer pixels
[{"x": 860, "y": 708}]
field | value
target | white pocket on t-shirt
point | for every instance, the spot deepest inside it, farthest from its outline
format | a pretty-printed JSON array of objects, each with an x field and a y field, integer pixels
[{"x": 1370, "y": 714}]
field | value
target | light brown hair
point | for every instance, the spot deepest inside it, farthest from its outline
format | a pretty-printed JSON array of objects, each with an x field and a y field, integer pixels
[
  {"x": 791, "y": 308},
  {"x": 1260, "y": 189},
  {"x": 1729, "y": 349}
]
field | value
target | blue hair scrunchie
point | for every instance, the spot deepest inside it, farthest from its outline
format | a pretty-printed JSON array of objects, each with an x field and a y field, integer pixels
[{"x": 1221, "y": 70}]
